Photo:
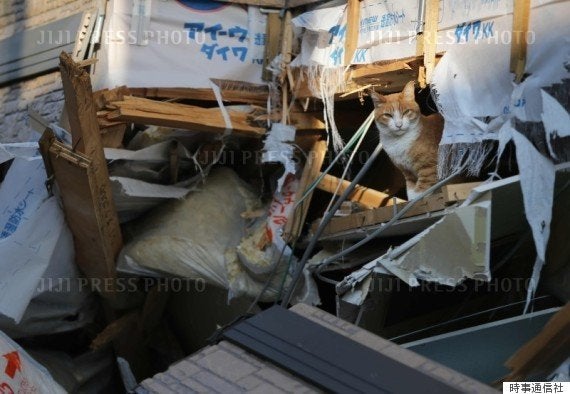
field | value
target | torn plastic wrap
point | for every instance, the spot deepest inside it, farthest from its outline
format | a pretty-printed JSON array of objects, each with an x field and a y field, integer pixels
[
  {"x": 39, "y": 288},
  {"x": 136, "y": 176},
  {"x": 473, "y": 82}
]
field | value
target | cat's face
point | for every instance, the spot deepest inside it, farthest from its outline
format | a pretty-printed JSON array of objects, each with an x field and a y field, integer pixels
[{"x": 396, "y": 113}]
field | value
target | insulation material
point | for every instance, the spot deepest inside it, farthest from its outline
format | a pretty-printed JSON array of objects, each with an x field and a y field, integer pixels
[
  {"x": 20, "y": 373},
  {"x": 195, "y": 237},
  {"x": 198, "y": 237},
  {"x": 182, "y": 39}
]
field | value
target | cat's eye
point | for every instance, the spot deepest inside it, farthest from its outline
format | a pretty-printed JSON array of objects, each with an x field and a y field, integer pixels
[
  {"x": 408, "y": 111},
  {"x": 386, "y": 114}
]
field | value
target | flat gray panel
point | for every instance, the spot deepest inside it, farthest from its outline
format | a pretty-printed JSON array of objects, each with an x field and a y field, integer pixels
[
  {"x": 480, "y": 352},
  {"x": 33, "y": 51}
]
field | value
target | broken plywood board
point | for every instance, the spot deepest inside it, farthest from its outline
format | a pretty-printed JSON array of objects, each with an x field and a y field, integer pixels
[{"x": 383, "y": 77}]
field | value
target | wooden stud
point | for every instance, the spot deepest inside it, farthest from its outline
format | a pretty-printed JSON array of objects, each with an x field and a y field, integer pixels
[
  {"x": 83, "y": 179},
  {"x": 430, "y": 38},
  {"x": 521, "y": 13},
  {"x": 272, "y": 47},
  {"x": 88, "y": 208},
  {"x": 352, "y": 27}
]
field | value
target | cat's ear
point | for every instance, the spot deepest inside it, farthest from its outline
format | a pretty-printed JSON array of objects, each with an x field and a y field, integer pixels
[
  {"x": 377, "y": 98},
  {"x": 408, "y": 92}
]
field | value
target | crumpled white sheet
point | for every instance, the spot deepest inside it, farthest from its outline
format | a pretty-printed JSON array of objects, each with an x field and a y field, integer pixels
[{"x": 474, "y": 81}]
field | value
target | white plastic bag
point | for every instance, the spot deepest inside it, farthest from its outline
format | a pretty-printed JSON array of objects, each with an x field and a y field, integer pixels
[{"x": 20, "y": 373}]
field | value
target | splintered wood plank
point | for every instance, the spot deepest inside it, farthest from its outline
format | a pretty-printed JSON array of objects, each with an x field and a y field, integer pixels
[
  {"x": 232, "y": 91},
  {"x": 88, "y": 208},
  {"x": 381, "y": 215},
  {"x": 352, "y": 27},
  {"x": 158, "y": 113},
  {"x": 387, "y": 77},
  {"x": 369, "y": 198},
  {"x": 112, "y": 136},
  {"x": 310, "y": 173},
  {"x": 83, "y": 179}
]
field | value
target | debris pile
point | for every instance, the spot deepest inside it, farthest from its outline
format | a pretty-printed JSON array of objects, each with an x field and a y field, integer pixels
[{"x": 203, "y": 182}]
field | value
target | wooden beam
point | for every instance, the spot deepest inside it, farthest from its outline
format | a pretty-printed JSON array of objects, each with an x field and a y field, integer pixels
[
  {"x": 89, "y": 211},
  {"x": 158, "y": 113},
  {"x": 352, "y": 28},
  {"x": 369, "y": 198},
  {"x": 273, "y": 33},
  {"x": 381, "y": 215},
  {"x": 430, "y": 38},
  {"x": 83, "y": 179},
  {"x": 521, "y": 13},
  {"x": 311, "y": 171}
]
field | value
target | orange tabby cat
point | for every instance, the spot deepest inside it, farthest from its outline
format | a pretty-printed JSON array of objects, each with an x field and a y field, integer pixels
[{"x": 410, "y": 139}]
